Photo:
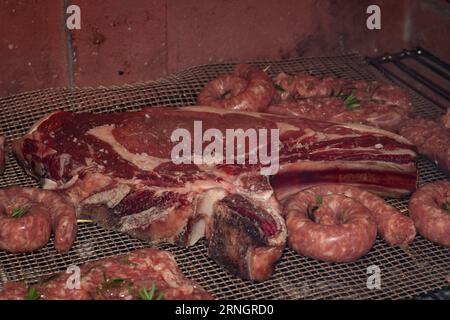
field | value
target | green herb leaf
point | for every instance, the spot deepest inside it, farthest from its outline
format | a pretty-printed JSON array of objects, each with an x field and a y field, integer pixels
[
  {"x": 128, "y": 262},
  {"x": 130, "y": 289},
  {"x": 319, "y": 199},
  {"x": 109, "y": 283},
  {"x": 146, "y": 294},
  {"x": 311, "y": 209},
  {"x": 32, "y": 294},
  {"x": 279, "y": 88},
  {"x": 351, "y": 102},
  {"x": 160, "y": 296},
  {"x": 225, "y": 94},
  {"x": 446, "y": 207},
  {"x": 20, "y": 212},
  {"x": 339, "y": 94}
]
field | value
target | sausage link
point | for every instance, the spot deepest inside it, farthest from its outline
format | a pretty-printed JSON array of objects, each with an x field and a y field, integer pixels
[
  {"x": 340, "y": 229},
  {"x": 58, "y": 211},
  {"x": 429, "y": 207},
  {"x": 393, "y": 226},
  {"x": 27, "y": 233},
  {"x": 246, "y": 89}
]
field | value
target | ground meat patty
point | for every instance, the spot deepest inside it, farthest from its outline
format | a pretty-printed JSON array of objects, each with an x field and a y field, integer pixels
[
  {"x": 27, "y": 214},
  {"x": 393, "y": 226},
  {"x": 334, "y": 109},
  {"x": 304, "y": 85},
  {"x": 429, "y": 207},
  {"x": 332, "y": 228},
  {"x": 147, "y": 274},
  {"x": 247, "y": 89},
  {"x": 339, "y": 100},
  {"x": 380, "y": 92},
  {"x": 430, "y": 138}
]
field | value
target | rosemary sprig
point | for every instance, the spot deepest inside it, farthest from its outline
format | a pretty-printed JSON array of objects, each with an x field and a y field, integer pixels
[
  {"x": 312, "y": 209},
  {"x": 339, "y": 94},
  {"x": 130, "y": 289},
  {"x": 278, "y": 87},
  {"x": 351, "y": 102},
  {"x": 127, "y": 262},
  {"x": 145, "y": 294},
  {"x": 20, "y": 212},
  {"x": 32, "y": 294},
  {"x": 225, "y": 94},
  {"x": 446, "y": 207},
  {"x": 319, "y": 199},
  {"x": 110, "y": 283}
]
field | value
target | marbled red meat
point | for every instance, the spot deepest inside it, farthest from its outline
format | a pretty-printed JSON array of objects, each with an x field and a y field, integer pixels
[{"x": 117, "y": 170}]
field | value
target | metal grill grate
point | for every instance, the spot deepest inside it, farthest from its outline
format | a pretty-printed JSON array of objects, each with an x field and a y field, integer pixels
[{"x": 405, "y": 272}]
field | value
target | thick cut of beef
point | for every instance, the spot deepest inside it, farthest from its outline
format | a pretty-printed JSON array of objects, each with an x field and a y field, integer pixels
[{"x": 117, "y": 169}]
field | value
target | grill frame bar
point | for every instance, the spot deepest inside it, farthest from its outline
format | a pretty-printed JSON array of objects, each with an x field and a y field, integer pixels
[{"x": 418, "y": 55}]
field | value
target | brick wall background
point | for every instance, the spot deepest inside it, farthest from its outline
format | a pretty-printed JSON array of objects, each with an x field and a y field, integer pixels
[{"x": 125, "y": 41}]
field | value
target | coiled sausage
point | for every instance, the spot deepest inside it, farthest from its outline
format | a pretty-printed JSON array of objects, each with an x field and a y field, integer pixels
[
  {"x": 429, "y": 207},
  {"x": 38, "y": 210},
  {"x": 393, "y": 226},
  {"x": 247, "y": 89},
  {"x": 332, "y": 228},
  {"x": 24, "y": 226}
]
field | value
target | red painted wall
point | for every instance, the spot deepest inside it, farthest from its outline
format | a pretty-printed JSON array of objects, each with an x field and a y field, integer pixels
[{"x": 123, "y": 41}]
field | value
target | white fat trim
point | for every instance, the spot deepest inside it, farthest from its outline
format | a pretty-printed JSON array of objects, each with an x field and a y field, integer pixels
[
  {"x": 370, "y": 150},
  {"x": 143, "y": 218},
  {"x": 109, "y": 197},
  {"x": 49, "y": 184},
  {"x": 204, "y": 212},
  {"x": 369, "y": 129},
  {"x": 378, "y": 166},
  {"x": 143, "y": 161}
]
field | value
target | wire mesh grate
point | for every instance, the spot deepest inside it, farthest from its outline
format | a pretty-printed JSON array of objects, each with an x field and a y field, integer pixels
[{"x": 405, "y": 272}]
